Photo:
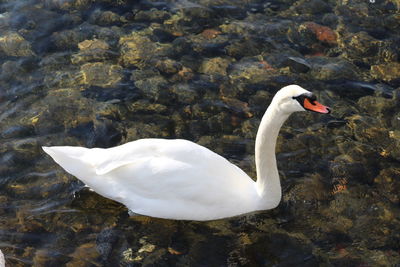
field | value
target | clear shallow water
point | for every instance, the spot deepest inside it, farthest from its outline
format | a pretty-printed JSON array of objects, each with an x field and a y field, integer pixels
[{"x": 101, "y": 73}]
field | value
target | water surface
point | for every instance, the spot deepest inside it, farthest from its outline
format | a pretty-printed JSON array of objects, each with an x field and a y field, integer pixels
[{"x": 102, "y": 73}]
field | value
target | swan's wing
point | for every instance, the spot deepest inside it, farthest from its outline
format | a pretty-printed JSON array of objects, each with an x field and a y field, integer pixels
[{"x": 107, "y": 160}]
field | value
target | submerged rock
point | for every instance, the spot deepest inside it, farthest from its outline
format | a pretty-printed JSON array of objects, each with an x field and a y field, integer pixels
[
  {"x": 138, "y": 49},
  {"x": 100, "y": 74},
  {"x": 69, "y": 39},
  {"x": 215, "y": 66},
  {"x": 389, "y": 184},
  {"x": 322, "y": 33},
  {"x": 13, "y": 44},
  {"x": 324, "y": 68},
  {"x": 155, "y": 88},
  {"x": 105, "y": 18},
  {"x": 387, "y": 72},
  {"x": 93, "y": 44},
  {"x": 83, "y": 254}
]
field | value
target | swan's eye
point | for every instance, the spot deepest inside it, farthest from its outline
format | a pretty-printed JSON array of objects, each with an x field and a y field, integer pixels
[
  {"x": 301, "y": 98},
  {"x": 309, "y": 102}
]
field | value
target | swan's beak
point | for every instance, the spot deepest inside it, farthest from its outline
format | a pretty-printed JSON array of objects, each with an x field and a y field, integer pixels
[{"x": 315, "y": 106}]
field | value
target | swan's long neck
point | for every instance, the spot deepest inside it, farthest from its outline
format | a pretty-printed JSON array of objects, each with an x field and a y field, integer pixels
[{"x": 268, "y": 182}]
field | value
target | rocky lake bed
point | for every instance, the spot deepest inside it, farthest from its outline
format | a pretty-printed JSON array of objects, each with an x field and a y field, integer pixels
[{"x": 101, "y": 73}]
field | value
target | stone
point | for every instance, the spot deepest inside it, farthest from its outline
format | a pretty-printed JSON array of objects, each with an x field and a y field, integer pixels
[
  {"x": 69, "y": 4},
  {"x": 105, "y": 18},
  {"x": 101, "y": 74},
  {"x": 168, "y": 66},
  {"x": 388, "y": 184},
  {"x": 250, "y": 70},
  {"x": 83, "y": 254},
  {"x": 68, "y": 39},
  {"x": 137, "y": 49},
  {"x": 13, "y": 44},
  {"x": 324, "y": 68},
  {"x": 322, "y": 33},
  {"x": 93, "y": 44},
  {"x": 93, "y": 50},
  {"x": 297, "y": 64},
  {"x": 153, "y": 15},
  {"x": 185, "y": 93},
  {"x": 144, "y": 106},
  {"x": 215, "y": 65},
  {"x": 154, "y": 88},
  {"x": 387, "y": 72}
]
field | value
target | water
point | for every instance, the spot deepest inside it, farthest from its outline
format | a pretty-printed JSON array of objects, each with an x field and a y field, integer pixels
[{"x": 102, "y": 73}]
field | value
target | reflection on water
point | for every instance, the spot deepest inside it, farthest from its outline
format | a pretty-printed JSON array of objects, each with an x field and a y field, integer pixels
[{"x": 101, "y": 73}]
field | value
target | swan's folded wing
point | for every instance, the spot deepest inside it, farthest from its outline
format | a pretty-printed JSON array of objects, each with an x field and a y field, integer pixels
[{"x": 106, "y": 160}]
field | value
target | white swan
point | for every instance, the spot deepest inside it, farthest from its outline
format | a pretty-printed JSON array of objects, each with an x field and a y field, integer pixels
[{"x": 178, "y": 179}]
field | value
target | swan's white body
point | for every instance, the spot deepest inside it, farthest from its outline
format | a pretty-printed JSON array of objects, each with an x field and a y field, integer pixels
[{"x": 178, "y": 179}]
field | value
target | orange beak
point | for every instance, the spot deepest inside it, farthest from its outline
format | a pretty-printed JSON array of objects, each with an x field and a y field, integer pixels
[{"x": 315, "y": 106}]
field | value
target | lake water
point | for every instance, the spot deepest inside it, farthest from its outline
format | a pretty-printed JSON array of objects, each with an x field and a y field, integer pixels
[{"x": 101, "y": 73}]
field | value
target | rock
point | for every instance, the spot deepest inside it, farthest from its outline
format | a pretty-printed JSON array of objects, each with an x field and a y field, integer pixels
[
  {"x": 105, "y": 241},
  {"x": 104, "y": 133},
  {"x": 215, "y": 65},
  {"x": 362, "y": 47},
  {"x": 297, "y": 64},
  {"x": 209, "y": 47},
  {"x": 312, "y": 38},
  {"x": 100, "y": 74},
  {"x": 61, "y": 109},
  {"x": 155, "y": 127},
  {"x": 93, "y": 50},
  {"x": 20, "y": 70},
  {"x": 168, "y": 66},
  {"x": 17, "y": 131},
  {"x": 152, "y": 15},
  {"x": 322, "y": 33},
  {"x": 105, "y": 18},
  {"x": 388, "y": 184},
  {"x": 154, "y": 88},
  {"x": 368, "y": 129},
  {"x": 146, "y": 107},
  {"x": 312, "y": 7},
  {"x": 185, "y": 93},
  {"x": 388, "y": 72},
  {"x": 93, "y": 55},
  {"x": 69, "y": 39},
  {"x": 243, "y": 48},
  {"x": 63, "y": 79},
  {"x": 324, "y": 68},
  {"x": 380, "y": 107},
  {"x": 163, "y": 36},
  {"x": 83, "y": 254},
  {"x": 138, "y": 49},
  {"x": 143, "y": 74},
  {"x": 69, "y": 4},
  {"x": 210, "y": 33},
  {"x": 14, "y": 45},
  {"x": 236, "y": 106},
  {"x": 93, "y": 44},
  {"x": 44, "y": 257},
  {"x": 330, "y": 19},
  {"x": 363, "y": 44},
  {"x": 250, "y": 70}
]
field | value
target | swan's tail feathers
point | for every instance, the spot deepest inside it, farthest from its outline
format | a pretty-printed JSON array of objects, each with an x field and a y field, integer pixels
[{"x": 72, "y": 159}]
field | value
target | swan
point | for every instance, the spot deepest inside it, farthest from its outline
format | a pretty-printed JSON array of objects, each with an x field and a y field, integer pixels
[{"x": 179, "y": 179}]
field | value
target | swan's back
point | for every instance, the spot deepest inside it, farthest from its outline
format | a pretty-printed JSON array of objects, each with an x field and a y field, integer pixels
[{"x": 175, "y": 179}]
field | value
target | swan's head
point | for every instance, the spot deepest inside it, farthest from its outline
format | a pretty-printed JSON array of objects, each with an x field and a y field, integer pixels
[{"x": 294, "y": 98}]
